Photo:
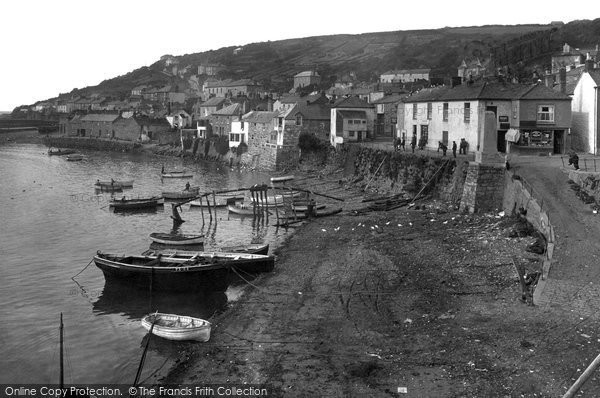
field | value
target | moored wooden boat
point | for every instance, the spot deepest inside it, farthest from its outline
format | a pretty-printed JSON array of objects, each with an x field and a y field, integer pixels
[
  {"x": 303, "y": 208},
  {"x": 183, "y": 194},
  {"x": 74, "y": 157},
  {"x": 220, "y": 201},
  {"x": 135, "y": 204},
  {"x": 244, "y": 258},
  {"x": 177, "y": 327},
  {"x": 254, "y": 248},
  {"x": 109, "y": 188},
  {"x": 282, "y": 179},
  {"x": 176, "y": 239},
  {"x": 176, "y": 174},
  {"x": 251, "y": 248},
  {"x": 122, "y": 183},
  {"x": 60, "y": 152},
  {"x": 188, "y": 274},
  {"x": 243, "y": 210}
]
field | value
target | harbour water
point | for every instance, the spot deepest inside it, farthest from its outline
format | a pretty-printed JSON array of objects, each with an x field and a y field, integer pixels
[{"x": 53, "y": 222}]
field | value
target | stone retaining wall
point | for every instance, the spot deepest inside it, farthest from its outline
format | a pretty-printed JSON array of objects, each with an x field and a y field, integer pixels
[{"x": 519, "y": 195}]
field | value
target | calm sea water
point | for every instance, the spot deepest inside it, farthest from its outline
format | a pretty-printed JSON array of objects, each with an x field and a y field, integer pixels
[{"x": 53, "y": 222}]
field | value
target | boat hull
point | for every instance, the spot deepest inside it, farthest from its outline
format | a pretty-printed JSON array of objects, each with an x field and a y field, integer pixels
[
  {"x": 121, "y": 183},
  {"x": 177, "y": 327},
  {"x": 177, "y": 175},
  {"x": 176, "y": 279},
  {"x": 174, "y": 195},
  {"x": 135, "y": 204},
  {"x": 177, "y": 240}
]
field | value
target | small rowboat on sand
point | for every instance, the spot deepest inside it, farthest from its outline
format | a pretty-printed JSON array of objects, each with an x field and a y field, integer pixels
[
  {"x": 74, "y": 157},
  {"x": 281, "y": 179},
  {"x": 175, "y": 239},
  {"x": 177, "y": 327},
  {"x": 60, "y": 152}
]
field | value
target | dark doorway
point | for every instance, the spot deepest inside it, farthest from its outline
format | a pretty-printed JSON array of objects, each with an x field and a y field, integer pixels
[
  {"x": 501, "y": 141},
  {"x": 559, "y": 138}
]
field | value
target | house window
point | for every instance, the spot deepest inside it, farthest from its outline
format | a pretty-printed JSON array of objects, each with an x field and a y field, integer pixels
[
  {"x": 429, "y": 110},
  {"x": 545, "y": 114},
  {"x": 445, "y": 112},
  {"x": 298, "y": 120},
  {"x": 467, "y": 112},
  {"x": 364, "y": 122},
  {"x": 414, "y": 111},
  {"x": 234, "y": 137},
  {"x": 280, "y": 121},
  {"x": 242, "y": 125},
  {"x": 350, "y": 134},
  {"x": 274, "y": 137}
]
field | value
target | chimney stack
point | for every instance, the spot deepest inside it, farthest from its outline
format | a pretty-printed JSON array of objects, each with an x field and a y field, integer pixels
[
  {"x": 549, "y": 79},
  {"x": 562, "y": 80},
  {"x": 589, "y": 63}
]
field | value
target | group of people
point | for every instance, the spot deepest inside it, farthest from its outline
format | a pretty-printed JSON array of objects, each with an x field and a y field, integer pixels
[{"x": 399, "y": 143}]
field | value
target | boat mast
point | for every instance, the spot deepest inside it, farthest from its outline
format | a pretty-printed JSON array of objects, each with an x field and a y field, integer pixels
[{"x": 61, "y": 381}]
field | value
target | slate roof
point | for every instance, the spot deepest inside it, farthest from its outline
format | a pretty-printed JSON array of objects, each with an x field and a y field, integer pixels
[
  {"x": 214, "y": 101},
  {"x": 353, "y": 114},
  {"x": 487, "y": 91},
  {"x": 351, "y": 102},
  {"x": 405, "y": 71},
  {"x": 260, "y": 117},
  {"x": 230, "y": 110},
  {"x": 100, "y": 117},
  {"x": 309, "y": 112},
  {"x": 390, "y": 99}
]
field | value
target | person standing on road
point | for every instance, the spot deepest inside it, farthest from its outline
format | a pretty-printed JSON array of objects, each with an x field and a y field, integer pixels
[
  {"x": 574, "y": 160},
  {"x": 413, "y": 143},
  {"x": 454, "y": 148}
]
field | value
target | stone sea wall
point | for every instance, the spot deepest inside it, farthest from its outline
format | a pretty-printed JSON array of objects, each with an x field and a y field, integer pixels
[
  {"x": 397, "y": 172},
  {"x": 91, "y": 143}
]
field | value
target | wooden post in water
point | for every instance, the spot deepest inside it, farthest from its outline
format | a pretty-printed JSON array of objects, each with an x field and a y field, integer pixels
[
  {"x": 209, "y": 209},
  {"x": 62, "y": 370},
  {"x": 214, "y": 205},
  {"x": 201, "y": 211}
]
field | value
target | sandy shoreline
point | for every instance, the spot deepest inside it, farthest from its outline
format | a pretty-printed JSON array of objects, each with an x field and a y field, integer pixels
[{"x": 426, "y": 300}]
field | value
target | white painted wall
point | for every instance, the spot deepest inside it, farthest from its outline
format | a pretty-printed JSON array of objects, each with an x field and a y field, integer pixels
[{"x": 584, "y": 108}]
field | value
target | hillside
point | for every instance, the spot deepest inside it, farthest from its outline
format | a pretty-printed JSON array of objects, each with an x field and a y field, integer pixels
[{"x": 366, "y": 56}]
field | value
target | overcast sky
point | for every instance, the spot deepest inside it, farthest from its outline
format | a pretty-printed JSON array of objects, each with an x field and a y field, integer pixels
[{"x": 52, "y": 46}]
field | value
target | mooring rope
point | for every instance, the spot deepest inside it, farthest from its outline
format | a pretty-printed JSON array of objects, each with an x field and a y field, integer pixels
[
  {"x": 245, "y": 280},
  {"x": 73, "y": 277}
]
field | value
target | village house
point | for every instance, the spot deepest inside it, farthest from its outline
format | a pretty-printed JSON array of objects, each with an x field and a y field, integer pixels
[
  {"x": 204, "y": 109},
  {"x": 573, "y": 58},
  {"x": 471, "y": 69},
  {"x": 586, "y": 115},
  {"x": 210, "y": 69},
  {"x": 231, "y": 88},
  {"x": 273, "y": 137},
  {"x": 265, "y": 137},
  {"x": 179, "y": 120},
  {"x": 221, "y": 120},
  {"x": 137, "y": 91},
  {"x": 386, "y": 111},
  {"x": 404, "y": 75},
  {"x": 351, "y": 120},
  {"x": 94, "y": 125},
  {"x": 306, "y": 78},
  {"x": 288, "y": 101},
  {"x": 530, "y": 118}
]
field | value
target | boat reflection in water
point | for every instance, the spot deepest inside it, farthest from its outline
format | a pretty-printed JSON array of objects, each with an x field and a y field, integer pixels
[{"x": 134, "y": 303}]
